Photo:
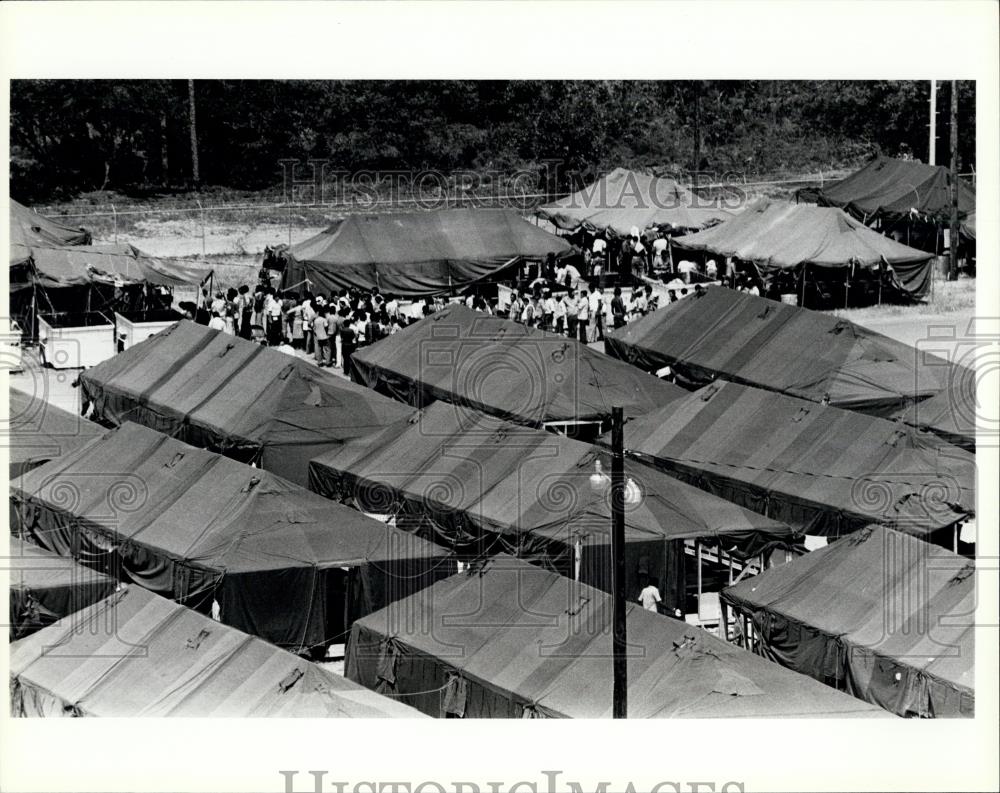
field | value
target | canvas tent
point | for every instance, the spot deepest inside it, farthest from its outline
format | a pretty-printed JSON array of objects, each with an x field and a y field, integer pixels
[
  {"x": 37, "y": 431},
  {"x": 952, "y": 414},
  {"x": 416, "y": 253},
  {"x": 479, "y": 484},
  {"x": 624, "y": 200},
  {"x": 889, "y": 188},
  {"x": 819, "y": 469},
  {"x": 281, "y": 562},
  {"x": 879, "y": 614},
  {"x": 776, "y": 237},
  {"x": 510, "y": 640},
  {"x": 506, "y": 369},
  {"x": 28, "y": 227},
  {"x": 736, "y": 336},
  {"x": 45, "y": 587},
  {"x": 161, "y": 659},
  {"x": 235, "y": 397}
]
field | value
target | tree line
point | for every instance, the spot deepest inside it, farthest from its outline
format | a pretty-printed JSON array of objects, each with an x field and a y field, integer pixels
[{"x": 138, "y": 136}]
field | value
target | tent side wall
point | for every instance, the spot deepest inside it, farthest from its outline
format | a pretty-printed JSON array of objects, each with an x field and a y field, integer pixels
[
  {"x": 390, "y": 667},
  {"x": 859, "y": 671}
]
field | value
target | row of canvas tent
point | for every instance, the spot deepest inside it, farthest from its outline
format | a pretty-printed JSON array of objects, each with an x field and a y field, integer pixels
[
  {"x": 257, "y": 537},
  {"x": 291, "y": 412},
  {"x": 602, "y": 519},
  {"x": 417, "y": 254}
]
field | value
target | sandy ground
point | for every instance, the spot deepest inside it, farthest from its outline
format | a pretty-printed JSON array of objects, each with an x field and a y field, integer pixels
[{"x": 185, "y": 238}]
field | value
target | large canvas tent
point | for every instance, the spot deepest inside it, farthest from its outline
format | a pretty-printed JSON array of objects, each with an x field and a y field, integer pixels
[
  {"x": 890, "y": 189},
  {"x": 506, "y": 369},
  {"x": 416, "y": 253},
  {"x": 953, "y": 413},
  {"x": 879, "y": 614},
  {"x": 37, "y": 431},
  {"x": 819, "y": 469},
  {"x": 108, "y": 265},
  {"x": 45, "y": 587},
  {"x": 136, "y": 654},
  {"x": 281, "y": 562},
  {"x": 624, "y": 199},
  {"x": 480, "y": 485},
  {"x": 804, "y": 240},
  {"x": 28, "y": 227},
  {"x": 235, "y": 397},
  {"x": 510, "y": 640},
  {"x": 736, "y": 336}
]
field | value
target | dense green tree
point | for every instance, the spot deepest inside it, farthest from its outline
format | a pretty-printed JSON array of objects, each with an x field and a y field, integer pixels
[{"x": 70, "y": 136}]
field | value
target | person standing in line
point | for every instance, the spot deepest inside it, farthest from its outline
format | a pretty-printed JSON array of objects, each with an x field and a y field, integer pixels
[
  {"x": 217, "y": 322},
  {"x": 336, "y": 329},
  {"x": 348, "y": 339},
  {"x": 583, "y": 314},
  {"x": 516, "y": 307},
  {"x": 596, "y": 310},
  {"x": 618, "y": 309},
  {"x": 570, "y": 302},
  {"x": 548, "y": 310},
  {"x": 650, "y": 596},
  {"x": 308, "y": 315},
  {"x": 559, "y": 316},
  {"x": 321, "y": 327},
  {"x": 659, "y": 249}
]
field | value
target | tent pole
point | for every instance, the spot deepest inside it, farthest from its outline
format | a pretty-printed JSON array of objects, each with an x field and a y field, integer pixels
[
  {"x": 697, "y": 545},
  {"x": 802, "y": 277},
  {"x": 724, "y": 616},
  {"x": 954, "y": 544},
  {"x": 619, "y": 628}
]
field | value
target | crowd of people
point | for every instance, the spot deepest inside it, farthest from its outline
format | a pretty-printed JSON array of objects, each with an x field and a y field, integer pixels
[
  {"x": 570, "y": 295},
  {"x": 329, "y": 327}
]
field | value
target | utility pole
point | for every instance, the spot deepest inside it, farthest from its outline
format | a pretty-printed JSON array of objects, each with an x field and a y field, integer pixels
[
  {"x": 953, "y": 235},
  {"x": 931, "y": 158},
  {"x": 195, "y": 175},
  {"x": 618, "y": 640},
  {"x": 697, "y": 129}
]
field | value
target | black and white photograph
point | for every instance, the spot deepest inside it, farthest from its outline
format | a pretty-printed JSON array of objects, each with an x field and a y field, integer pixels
[{"x": 495, "y": 393}]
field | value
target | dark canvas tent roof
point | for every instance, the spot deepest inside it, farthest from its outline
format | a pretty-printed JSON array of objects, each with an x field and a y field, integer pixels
[
  {"x": 820, "y": 469},
  {"x": 233, "y": 396},
  {"x": 883, "y": 615},
  {"x": 506, "y": 369},
  {"x": 755, "y": 341},
  {"x": 27, "y": 227},
  {"x": 625, "y": 199},
  {"x": 163, "y": 659},
  {"x": 195, "y": 525},
  {"x": 951, "y": 414},
  {"x": 54, "y": 267},
  {"x": 416, "y": 253},
  {"x": 38, "y": 431},
  {"x": 891, "y": 188},
  {"x": 778, "y": 235},
  {"x": 45, "y": 587},
  {"x": 510, "y": 640},
  {"x": 466, "y": 479}
]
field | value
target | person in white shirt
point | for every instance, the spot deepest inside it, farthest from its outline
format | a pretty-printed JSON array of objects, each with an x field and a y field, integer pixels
[
  {"x": 548, "y": 311},
  {"x": 660, "y": 249},
  {"x": 711, "y": 269},
  {"x": 685, "y": 269},
  {"x": 583, "y": 314},
  {"x": 596, "y": 316},
  {"x": 216, "y": 322},
  {"x": 559, "y": 316},
  {"x": 650, "y": 596}
]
